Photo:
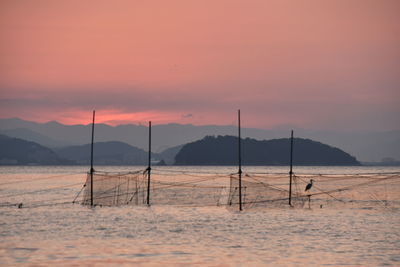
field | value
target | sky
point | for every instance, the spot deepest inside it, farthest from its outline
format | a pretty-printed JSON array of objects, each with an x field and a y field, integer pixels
[{"x": 313, "y": 64}]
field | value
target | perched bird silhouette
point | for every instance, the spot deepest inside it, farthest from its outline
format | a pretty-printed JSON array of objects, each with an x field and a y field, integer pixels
[{"x": 308, "y": 187}]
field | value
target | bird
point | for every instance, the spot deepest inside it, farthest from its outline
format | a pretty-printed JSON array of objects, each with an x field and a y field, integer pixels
[{"x": 308, "y": 187}]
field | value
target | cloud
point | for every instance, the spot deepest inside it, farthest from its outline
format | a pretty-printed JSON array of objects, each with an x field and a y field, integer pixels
[{"x": 187, "y": 115}]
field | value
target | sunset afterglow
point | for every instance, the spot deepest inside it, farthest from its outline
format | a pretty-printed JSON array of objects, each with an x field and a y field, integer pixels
[{"x": 311, "y": 64}]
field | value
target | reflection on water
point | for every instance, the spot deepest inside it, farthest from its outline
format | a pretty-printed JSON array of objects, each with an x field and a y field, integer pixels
[{"x": 167, "y": 235}]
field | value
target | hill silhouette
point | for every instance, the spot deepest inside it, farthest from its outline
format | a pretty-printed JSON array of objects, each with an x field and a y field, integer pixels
[
  {"x": 367, "y": 146},
  {"x": 15, "y": 151},
  {"x": 106, "y": 153},
  {"x": 222, "y": 150}
]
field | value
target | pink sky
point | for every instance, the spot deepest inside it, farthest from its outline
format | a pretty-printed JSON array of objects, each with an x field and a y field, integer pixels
[{"x": 311, "y": 64}]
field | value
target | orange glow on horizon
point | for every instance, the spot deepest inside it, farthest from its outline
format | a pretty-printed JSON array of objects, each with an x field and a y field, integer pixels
[{"x": 110, "y": 117}]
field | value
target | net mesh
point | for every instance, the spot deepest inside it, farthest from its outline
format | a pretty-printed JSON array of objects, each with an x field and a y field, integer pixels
[
  {"x": 115, "y": 189},
  {"x": 263, "y": 191},
  {"x": 258, "y": 190},
  {"x": 364, "y": 191}
]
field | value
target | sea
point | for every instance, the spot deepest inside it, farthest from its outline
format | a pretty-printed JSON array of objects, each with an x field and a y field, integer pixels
[{"x": 48, "y": 229}]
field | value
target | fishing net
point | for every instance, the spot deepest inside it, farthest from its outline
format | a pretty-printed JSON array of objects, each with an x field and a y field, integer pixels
[
  {"x": 333, "y": 190},
  {"x": 264, "y": 191},
  {"x": 258, "y": 190},
  {"x": 115, "y": 189},
  {"x": 353, "y": 190},
  {"x": 131, "y": 188},
  {"x": 194, "y": 193}
]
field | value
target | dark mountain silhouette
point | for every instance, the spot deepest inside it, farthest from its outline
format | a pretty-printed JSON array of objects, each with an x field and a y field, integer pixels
[
  {"x": 222, "y": 150},
  {"x": 106, "y": 153},
  {"x": 168, "y": 155},
  {"x": 21, "y": 152},
  {"x": 367, "y": 146}
]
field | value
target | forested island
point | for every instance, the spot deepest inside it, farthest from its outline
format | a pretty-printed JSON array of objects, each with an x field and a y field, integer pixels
[{"x": 223, "y": 150}]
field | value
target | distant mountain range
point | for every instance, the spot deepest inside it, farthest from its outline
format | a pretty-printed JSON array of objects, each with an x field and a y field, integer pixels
[
  {"x": 106, "y": 153},
  {"x": 223, "y": 150},
  {"x": 366, "y": 146}
]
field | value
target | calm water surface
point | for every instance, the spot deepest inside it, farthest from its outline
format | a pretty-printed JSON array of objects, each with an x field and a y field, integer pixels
[{"x": 75, "y": 235}]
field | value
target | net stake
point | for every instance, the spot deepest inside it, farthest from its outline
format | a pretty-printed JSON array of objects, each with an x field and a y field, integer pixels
[
  {"x": 240, "y": 163},
  {"x": 291, "y": 169},
  {"x": 149, "y": 167},
  {"x": 91, "y": 162}
]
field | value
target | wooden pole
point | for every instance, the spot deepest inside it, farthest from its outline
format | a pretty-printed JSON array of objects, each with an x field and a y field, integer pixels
[
  {"x": 291, "y": 169},
  {"x": 240, "y": 163},
  {"x": 137, "y": 193},
  {"x": 91, "y": 162},
  {"x": 149, "y": 167}
]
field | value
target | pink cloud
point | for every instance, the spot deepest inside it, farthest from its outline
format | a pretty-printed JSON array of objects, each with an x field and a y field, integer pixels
[{"x": 301, "y": 63}]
